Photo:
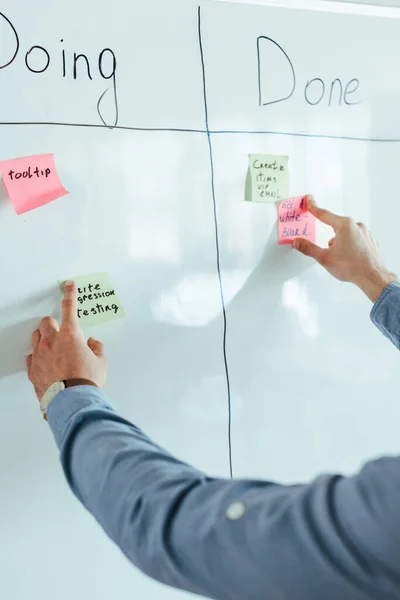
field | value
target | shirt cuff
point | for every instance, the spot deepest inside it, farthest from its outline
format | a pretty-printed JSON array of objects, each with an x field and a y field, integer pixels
[
  {"x": 385, "y": 313},
  {"x": 71, "y": 405}
]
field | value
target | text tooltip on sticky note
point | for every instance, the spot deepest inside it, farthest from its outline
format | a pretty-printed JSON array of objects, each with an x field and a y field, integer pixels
[{"x": 31, "y": 181}]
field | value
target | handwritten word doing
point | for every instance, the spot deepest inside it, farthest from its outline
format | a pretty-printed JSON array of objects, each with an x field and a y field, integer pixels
[
  {"x": 283, "y": 75},
  {"x": 38, "y": 60}
]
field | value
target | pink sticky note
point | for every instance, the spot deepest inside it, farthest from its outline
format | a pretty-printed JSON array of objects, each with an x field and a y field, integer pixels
[
  {"x": 294, "y": 221},
  {"x": 31, "y": 181}
]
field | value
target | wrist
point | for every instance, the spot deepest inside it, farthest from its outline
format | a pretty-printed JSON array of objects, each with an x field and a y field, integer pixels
[
  {"x": 57, "y": 387},
  {"x": 375, "y": 282}
]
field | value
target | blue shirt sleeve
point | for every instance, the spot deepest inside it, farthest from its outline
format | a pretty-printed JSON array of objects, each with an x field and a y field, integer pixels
[
  {"x": 334, "y": 538},
  {"x": 385, "y": 313}
]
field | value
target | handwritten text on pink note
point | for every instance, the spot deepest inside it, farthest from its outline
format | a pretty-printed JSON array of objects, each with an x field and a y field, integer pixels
[
  {"x": 31, "y": 181},
  {"x": 294, "y": 221}
]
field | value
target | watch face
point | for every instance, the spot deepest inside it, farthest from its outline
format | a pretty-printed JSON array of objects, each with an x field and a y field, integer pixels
[{"x": 58, "y": 386}]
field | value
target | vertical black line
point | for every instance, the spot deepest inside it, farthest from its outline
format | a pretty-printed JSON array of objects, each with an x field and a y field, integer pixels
[
  {"x": 259, "y": 72},
  {"x": 221, "y": 289}
]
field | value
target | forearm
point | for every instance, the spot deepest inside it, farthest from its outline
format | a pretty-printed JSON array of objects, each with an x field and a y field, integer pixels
[
  {"x": 168, "y": 518},
  {"x": 129, "y": 484},
  {"x": 178, "y": 526}
]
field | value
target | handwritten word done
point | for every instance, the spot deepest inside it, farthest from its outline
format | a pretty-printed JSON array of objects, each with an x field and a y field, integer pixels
[{"x": 276, "y": 71}]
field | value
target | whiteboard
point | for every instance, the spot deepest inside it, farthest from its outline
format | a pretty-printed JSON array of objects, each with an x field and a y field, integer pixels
[{"x": 220, "y": 320}]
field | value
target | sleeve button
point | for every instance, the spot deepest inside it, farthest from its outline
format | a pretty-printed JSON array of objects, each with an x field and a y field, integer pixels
[{"x": 235, "y": 511}]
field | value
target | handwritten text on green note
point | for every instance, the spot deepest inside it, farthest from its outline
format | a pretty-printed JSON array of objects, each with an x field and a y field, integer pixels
[
  {"x": 268, "y": 178},
  {"x": 97, "y": 299}
]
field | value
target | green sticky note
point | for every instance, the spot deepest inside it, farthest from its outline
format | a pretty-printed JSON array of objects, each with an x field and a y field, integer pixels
[
  {"x": 267, "y": 178},
  {"x": 97, "y": 299}
]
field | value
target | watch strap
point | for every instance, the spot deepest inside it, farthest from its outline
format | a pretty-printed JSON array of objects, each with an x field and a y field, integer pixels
[
  {"x": 57, "y": 387},
  {"x": 75, "y": 382},
  {"x": 48, "y": 396}
]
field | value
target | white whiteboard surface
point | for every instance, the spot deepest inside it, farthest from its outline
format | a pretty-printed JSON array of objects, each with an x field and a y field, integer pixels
[
  {"x": 376, "y": 8},
  {"x": 313, "y": 386}
]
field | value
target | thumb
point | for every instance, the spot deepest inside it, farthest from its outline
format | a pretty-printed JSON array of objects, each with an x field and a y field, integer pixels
[
  {"x": 309, "y": 249},
  {"x": 96, "y": 347}
]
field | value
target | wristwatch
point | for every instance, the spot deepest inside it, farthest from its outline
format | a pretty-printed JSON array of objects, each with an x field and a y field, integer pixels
[{"x": 57, "y": 387}]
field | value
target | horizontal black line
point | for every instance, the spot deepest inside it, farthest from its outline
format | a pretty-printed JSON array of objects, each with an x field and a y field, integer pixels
[
  {"x": 101, "y": 126},
  {"x": 306, "y": 135},
  {"x": 211, "y": 131}
]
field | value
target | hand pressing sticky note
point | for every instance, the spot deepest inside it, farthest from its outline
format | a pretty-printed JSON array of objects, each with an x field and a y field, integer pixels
[
  {"x": 267, "y": 178},
  {"x": 31, "y": 181},
  {"x": 97, "y": 299},
  {"x": 294, "y": 221}
]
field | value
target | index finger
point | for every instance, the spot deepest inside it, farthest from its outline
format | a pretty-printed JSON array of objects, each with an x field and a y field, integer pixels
[
  {"x": 323, "y": 215},
  {"x": 70, "y": 306}
]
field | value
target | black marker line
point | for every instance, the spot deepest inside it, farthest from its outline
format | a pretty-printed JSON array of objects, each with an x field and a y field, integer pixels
[
  {"x": 306, "y": 135},
  {"x": 101, "y": 126},
  {"x": 210, "y": 131},
  {"x": 16, "y": 39},
  {"x": 114, "y": 87},
  {"x": 260, "y": 102},
  {"x": 221, "y": 288},
  {"x": 115, "y": 103}
]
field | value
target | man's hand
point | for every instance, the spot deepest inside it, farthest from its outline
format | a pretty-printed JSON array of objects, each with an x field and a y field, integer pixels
[
  {"x": 353, "y": 254},
  {"x": 61, "y": 353}
]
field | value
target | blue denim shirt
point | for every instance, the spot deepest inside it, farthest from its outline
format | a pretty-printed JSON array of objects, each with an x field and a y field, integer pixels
[{"x": 336, "y": 538}]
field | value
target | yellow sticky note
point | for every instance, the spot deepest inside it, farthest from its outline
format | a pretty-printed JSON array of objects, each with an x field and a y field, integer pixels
[
  {"x": 267, "y": 178},
  {"x": 97, "y": 299}
]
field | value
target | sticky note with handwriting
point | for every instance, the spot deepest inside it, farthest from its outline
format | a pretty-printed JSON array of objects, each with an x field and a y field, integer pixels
[
  {"x": 31, "y": 181},
  {"x": 294, "y": 221},
  {"x": 97, "y": 299},
  {"x": 267, "y": 178}
]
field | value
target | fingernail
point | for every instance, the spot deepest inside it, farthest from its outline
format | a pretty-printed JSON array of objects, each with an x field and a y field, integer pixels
[
  {"x": 69, "y": 283},
  {"x": 310, "y": 199},
  {"x": 295, "y": 244}
]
